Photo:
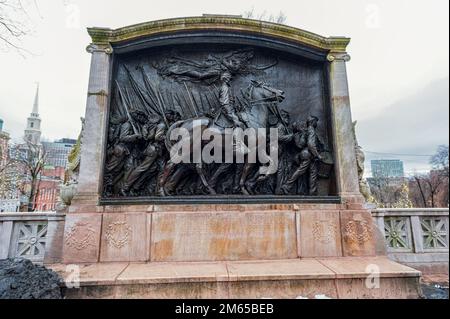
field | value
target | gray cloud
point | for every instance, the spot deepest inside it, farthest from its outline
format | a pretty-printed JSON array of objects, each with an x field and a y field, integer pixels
[{"x": 416, "y": 124}]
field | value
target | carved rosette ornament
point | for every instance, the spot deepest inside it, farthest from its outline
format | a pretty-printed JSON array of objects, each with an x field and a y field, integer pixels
[
  {"x": 358, "y": 231},
  {"x": 118, "y": 234},
  {"x": 324, "y": 231},
  {"x": 435, "y": 233},
  {"x": 31, "y": 239},
  {"x": 80, "y": 236}
]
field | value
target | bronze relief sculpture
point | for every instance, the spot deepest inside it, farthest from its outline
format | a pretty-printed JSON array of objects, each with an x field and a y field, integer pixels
[{"x": 210, "y": 93}]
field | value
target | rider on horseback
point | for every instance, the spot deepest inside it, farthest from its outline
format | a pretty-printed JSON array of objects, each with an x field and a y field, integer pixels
[{"x": 226, "y": 100}]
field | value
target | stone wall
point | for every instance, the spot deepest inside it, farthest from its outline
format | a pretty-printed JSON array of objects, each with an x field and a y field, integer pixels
[
  {"x": 34, "y": 236},
  {"x": 193, "y": 233},
  {"x": 418, "y": 238}
]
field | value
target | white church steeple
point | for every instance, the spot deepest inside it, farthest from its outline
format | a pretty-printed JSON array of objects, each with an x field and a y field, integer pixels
[
  {"x": 33, "y": 130},
  {"x": 36, "y": 102}
]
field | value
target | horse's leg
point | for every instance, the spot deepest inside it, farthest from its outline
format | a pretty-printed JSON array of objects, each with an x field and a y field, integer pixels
[
  {"x": 174, "y": 180},
  {"x": 254, "y": 180},
  {"x": 168, "y": 169},
  {"x": 222, "y": 169},
  {"x": 236, "y": 178},
  {"x": 245, "y": 172},
  {"x": 200, "y": 172}
]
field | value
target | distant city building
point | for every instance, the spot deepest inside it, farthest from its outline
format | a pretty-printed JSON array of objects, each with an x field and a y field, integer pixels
[
  {"x": 47, "y": 197},
  {"x": 9, "y": 205},
  {"x": 53, "y": 174},
  {"x": 4, "y": 145},
  {"x": 387, "y": 168},
  {"x": 9, "y": 201},
  {"x": 33, "y": 130},
  {"x": 58, "y": 151},
  {"x": 49, "y": 186}
]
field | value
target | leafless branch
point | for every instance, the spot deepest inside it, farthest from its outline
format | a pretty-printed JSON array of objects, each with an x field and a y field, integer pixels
[
  {"x": 264, "y": 16},
  {"x": 14, "y": 24}
]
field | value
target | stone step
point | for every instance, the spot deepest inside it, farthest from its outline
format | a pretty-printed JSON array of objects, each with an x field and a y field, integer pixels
[{"x": 334, "y": 277}]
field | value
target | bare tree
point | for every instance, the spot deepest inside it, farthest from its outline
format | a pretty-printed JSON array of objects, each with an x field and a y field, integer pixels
[
  {"x": 421, "y": 191},
  {"x": 32, "y": 157},
  {"x": 439, "y": 161},
  {"x": 435, "y": 180},
  {"x": 390, "y": 192},
  {"x": 14, "y": 23},
  {"x": 439, "y": 176},
  {"x": 9, "y": 174},
  {"x": 430, "y": 186},
  {"x": 265, "y": 16},
  {"x": 378, "y": 187},
  {"x": 431, "y": 189},
  {"x": 6, "y": 177}
]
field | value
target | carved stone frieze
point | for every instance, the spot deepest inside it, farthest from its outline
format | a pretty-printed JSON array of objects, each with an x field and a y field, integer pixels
[
  {"x": 118, "y": 234},
  {"x": 80, "y": 236},
  {"x": 358, "y": 231},
  {"x": 325, "y": 231}
]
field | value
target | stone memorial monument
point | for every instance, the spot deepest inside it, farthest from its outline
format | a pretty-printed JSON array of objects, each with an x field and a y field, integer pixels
[{"x": 293, "y": 225}]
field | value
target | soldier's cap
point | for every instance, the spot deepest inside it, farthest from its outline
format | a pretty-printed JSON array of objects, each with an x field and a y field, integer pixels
[
  {"x": 312, "y": 118},
  {"x": 135, "y": 113}
]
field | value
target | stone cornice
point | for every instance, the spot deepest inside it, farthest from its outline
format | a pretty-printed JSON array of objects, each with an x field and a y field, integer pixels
[{"x": 109, "y": 36}]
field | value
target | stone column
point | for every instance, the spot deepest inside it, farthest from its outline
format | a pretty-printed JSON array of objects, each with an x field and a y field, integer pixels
[
  {"x": 417, "y": 234},
  {"x": 94, "y": 137},
  {"x": 6, "y": 229},
  {"x": 55, "y": 238},
  {"x": 343, "y": 140}
]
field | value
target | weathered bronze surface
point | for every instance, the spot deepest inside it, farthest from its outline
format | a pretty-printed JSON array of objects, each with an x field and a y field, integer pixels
[{"x": 224, "y": 86}]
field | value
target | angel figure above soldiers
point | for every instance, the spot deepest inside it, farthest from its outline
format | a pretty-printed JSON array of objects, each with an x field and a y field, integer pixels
[
  {"x": 215, "y": 70},
  {"x": 210, "y": 70}
]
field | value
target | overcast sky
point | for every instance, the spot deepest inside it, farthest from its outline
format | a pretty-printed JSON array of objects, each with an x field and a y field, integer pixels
[{"x": 398, "y": 74}]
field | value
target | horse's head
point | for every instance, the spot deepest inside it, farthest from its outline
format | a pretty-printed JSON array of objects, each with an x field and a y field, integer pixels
[{"x": 262, "y": 92}]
